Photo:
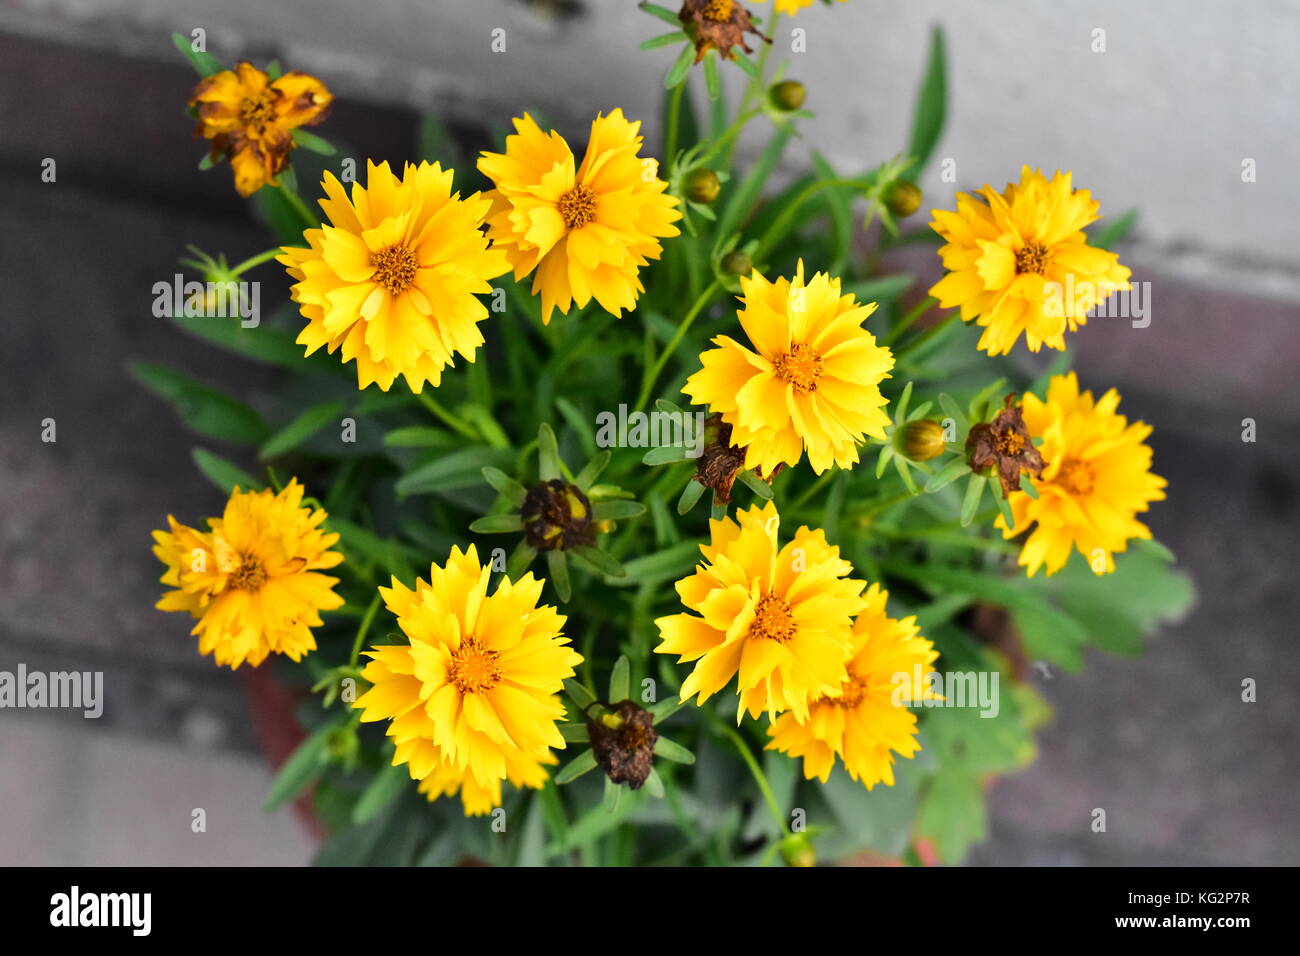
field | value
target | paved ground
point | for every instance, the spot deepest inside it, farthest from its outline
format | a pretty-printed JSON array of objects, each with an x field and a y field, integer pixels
[{"x": 1187, "y": 771}]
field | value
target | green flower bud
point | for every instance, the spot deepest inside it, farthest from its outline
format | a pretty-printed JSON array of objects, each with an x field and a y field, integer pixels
[
  {"x": 797, "y": 850},
  {"x": 788, "y": 95},
  {"x": 920, "y": 440},
  {"x": 702, "y": 186},
  {"x": 903, "y": 199},
  {"x": 737, "y": 263}
]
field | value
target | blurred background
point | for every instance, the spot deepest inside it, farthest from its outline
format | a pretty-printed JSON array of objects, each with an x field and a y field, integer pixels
[{"x": 1160, "y": 111}]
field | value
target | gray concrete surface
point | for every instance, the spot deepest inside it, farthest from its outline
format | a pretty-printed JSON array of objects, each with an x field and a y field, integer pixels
[{"x": 1190, "y": 773}]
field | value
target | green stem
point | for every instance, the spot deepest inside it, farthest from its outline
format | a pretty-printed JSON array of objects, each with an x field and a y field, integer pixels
[
  {"x": 674, "y": 119},
  {"x": 781, "y": 225},
  {"x": 760, "y": 778},
  {"x": 446, "y": 417},
  {"x": 907, "y": 321},
  {"x": 812, "y": 489},
  {"x": 299, "y": 206},
  {"x": 363, "y": 630},
  {"x": 255, "y": 261},
  {"x": 652, "y": 373},
  {"x": 925, "y": 336}
]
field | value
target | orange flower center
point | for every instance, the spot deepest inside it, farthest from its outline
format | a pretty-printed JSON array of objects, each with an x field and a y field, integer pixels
[
  {"x": 1010, "y": 443},
  {"x": 719, "y": 11},
  {"x": 1031, "y": 257},
  {"x": 256, "y": 112},
  {"x": 1076, "y": 477},
  {"x": 800, "y": 367},
  {"x": 853, "y": 691},
  {"x": 250, "y": 575},
  {"x": 772, "y": 619},
  {"x": 395, "y": 268},
  {"x": 578, "y": 207},
  {"x": 473, "y": 668}
]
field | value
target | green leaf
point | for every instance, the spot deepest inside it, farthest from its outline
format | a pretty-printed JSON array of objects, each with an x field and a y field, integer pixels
[
  {"x": 755, "y": 484},
  {"x": 222, "y": 473},
  {"x": 497, "y": 524},
  {"x": 673, "y": 751},
  {"x": 381, "y": 791},
  {"x": 205, "y": 64},
  {"x": 591, "y": 471},
  {"x": 677, "y": 72},
  {"x": 841, "y": 216},
  {"x": 620, "y": 680},
  {"x": 690, "y": 495},
  {"x": 971, "y": 502},
  {"x": 664, "y": 39},
  {"x": 1112, "y": 233},
  {"x": 579, "y": 693},
  {"x": 662, "y": 13},
  {"x": 422, "y": 436},
  {"x": 931, "y": 104},
  {"x": 751, "y": 188},
  {"x": 948, "y": 474},
  {"x": 460, "y": 469},
  {"x": 548, "y": 454},
  {"x": 612, "y": 510},
  {"x": 205, "y": 410},
  {"x": 669, "y": 563},
  {"x": 664, "y": 455},
  {"x": 313, "y": 143},
  {"x": 304, "y": 765},
  {"x": 711, "y": 84},
  {"x": 558, "y": 570},
  {"x": 262, "y": 343},
  {"x": 952, "y": 814},
  {"x": 300, "y": 429},
  {"x": 599, "y": 561},
  {"x": 507, "y": 487},
  {"x": 575, "y": 768}
]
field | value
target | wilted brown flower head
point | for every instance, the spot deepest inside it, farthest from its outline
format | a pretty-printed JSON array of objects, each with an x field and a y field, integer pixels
[
  {"x": 720, "y": 461},
  {"x": 623, "y": 742},
  {"x": 717, "y": 25},
  {"x": 557, "y": 515},
  {"x": 1004, "y": 445}
]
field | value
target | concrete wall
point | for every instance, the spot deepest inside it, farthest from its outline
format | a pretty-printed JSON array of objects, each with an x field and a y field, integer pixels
[{"x": 1162, "y": 120}]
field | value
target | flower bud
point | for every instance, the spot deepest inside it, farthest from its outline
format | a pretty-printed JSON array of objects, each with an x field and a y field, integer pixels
[
  {"x": 797, "y": 850},
  {"x": 903, "y": 199},
  {"x": 702, "y": 186},
  {"x": 737, "y": 263},
  {"x": 788, "y": 95},
  {"x": 921, "y": 440}
]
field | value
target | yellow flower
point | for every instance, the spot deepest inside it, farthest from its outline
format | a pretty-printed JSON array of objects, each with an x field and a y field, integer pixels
[
  {"x": 471, "y": 699},
  {"x": 792, "y": 6},
  {"x": 585, "y": 232},
  {"x": 1097, "y": 479},
  {"x": 810, "y": 382},
  {"x": 778, "y": 618},
  {"x": 393, "y": 280},
  {"x": 1020, "y": 262},
  {"x": 252, "y": 580},
  {"x": 251, "y": 118},
  {"x": 867, "y": 717}
]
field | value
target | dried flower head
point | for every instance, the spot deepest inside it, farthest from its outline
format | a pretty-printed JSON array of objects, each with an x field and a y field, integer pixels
[
  {"x": 557, "y": 516},
  {"x": 623, "y": 742},
  {"x": 717, "y": 25},
  {"x": 1005, "y": 446}
]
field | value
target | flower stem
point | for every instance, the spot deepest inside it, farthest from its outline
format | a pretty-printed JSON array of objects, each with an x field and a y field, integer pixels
[
  {"x": 760, "y": 778},
  {"x": 907, "y": 321},
  {"x": 674, "y": 119},
  {"x": 363, "y": 630},
  {"x": 298, "y": 205},
  {"x": 446, "y": 417},
  {"x": 781, "y": 225},
  {"x": 652, "y": 373},
  {"x": 926, "y": 335},
  {"x": 255, "y": 261}
]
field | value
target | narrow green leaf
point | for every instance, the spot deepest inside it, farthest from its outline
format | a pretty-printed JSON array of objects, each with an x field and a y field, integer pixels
[
  {"x": 931, "y": 104},
  {"x": 690, "y": 495},
  {"x": 507, "y": 487},
  {"x": 497, "y": 524},
  {"x": 558, "y": 571},
  {"x": 300, "y": 429},
  {"x": 755, "y": 484},
  {"x": 222, "y": 473},
  {"x": 205, "y": 410},
  {"x": 313, "y": 143},
  {"x": 677, "y": 72},
  {"x": 615, "y": 509},
  {"x": 205, "y": 64},
  {"x": 971, "y": 502},
  {"x": 301, "y": 769},
  {"x": 599, "y": 561},
  {"x": 548, "y": 454},
  {"x": 381, "y": 791},
  {"x": 673, "y": 751},
  {"x": 620, "y": 680},
  {"x": 948, "y": 474},
  {"x": 575, "y": 768}
]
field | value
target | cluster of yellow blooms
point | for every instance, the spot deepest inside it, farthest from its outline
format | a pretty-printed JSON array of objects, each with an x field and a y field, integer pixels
[{"x": 392, "y": 281}]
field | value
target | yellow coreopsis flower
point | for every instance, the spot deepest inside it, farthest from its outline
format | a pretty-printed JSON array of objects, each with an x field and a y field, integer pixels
[
  {"x": 792, "y": 6},
  {"x": 472, "y": 699},
  {"x": 1097, "y": 479},
  {"x": 251, "y": 118},
  {"x": 778, "y": 618},
  {"x": 584, "y": 231},
  {"x": 866, "y": 720},
  {"x": 810, "y": 382},
  {"x": 393, "y": 281},
  {"x": 253, "y": 578},
  {"x": 1019, "y": 262}
]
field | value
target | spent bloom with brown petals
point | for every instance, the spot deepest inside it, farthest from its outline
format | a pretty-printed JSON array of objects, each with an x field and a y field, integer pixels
[
  {"x": 1005, "y": 446},
  {"x": 623, "y": 743},
  {"x": 717, "y": 25}
]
